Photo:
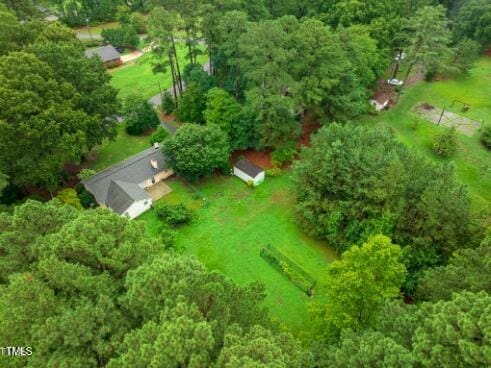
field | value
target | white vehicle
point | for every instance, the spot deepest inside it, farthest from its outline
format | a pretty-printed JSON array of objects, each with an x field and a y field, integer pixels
[
  {"x": 395, "y": 82},
  {"x": 400, "y": 56}
]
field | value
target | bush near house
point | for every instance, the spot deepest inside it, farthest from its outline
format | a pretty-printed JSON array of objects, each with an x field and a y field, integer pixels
[
  {"x": 173, "y": 214},
  {"x": 159, "y": 135},
  {"x": 69, "y": 196},
  {"x": 87, "y": 200}
]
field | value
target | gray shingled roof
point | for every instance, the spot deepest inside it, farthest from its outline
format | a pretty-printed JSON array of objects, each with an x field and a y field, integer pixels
[
  {"x": 134, "y": 170},
  {"x": 248, "y": 167},
  {"x": 106, "y": 53},
  {"x": 121, "y": 195}
]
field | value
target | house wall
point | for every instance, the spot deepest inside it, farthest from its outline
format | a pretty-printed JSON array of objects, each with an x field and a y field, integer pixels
[
  {"x": 160, "y": 176},
  {"x": 113, "y": 63},
  {"x": 137, "y": 208},
  {"x": 257, "y": 180}
]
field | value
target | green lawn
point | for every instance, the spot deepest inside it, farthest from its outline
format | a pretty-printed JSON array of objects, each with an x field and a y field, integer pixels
[
  {"x": 111, "y": 152},
  {"x": 133, "y": 78},
  {"x": 473, "y": 161},
  {"x": 96, "y": 30},
  {"x": 137, "y": 77},
  {"x": 230, "y": 231}
]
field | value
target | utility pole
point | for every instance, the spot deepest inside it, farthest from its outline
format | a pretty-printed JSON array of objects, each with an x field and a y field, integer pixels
[
  {"x": 88, "y": 29},
  {"x": 161, "y": 96},
  {"x": 441, "y": 115}
]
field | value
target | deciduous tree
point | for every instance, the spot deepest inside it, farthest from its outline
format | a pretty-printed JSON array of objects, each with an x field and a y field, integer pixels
[
  {"x": 361, "y": 281},
  {"x": 195, "y": 151}
]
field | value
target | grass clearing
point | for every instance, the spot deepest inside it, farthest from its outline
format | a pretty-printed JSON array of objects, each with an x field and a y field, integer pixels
[
  {"x": 472, "y": 161},
  {"x": 97, "y": 29},
  {"x": 237, "y": 222},
  {"x": 138, "y": 77},
  {"x": 112, "y": 152}
]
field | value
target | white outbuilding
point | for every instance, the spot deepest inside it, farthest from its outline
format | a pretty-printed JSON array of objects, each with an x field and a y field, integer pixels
[
  {"x": 380, "y": 100},
  {"x": 249, "y": 172}
]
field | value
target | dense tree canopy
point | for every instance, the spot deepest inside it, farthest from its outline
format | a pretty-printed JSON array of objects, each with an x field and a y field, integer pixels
[
  {"x": 427, "y": 41},
  {"x": 56, "y": 105},
  {"x": 90, "y": 289},
  {"x": 454, "y": 333},
  {"x": 355, "y": 181},
  {"x": 468, "y": 269},
  {"x": 473, "y": 20},
  {"x": 366, "y": 349}
]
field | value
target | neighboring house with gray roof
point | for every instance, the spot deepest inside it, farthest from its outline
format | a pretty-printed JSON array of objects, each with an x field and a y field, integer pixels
[
  {"x": 108, "y": 54},
  {"x": 125, "y": 187}
]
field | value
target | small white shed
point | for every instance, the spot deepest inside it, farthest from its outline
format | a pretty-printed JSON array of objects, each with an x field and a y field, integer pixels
[
  {"x": 249, "y": 172},
  {"x": 380, "y": 100}
]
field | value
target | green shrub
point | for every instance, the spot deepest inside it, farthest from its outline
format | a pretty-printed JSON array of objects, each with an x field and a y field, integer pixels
[
  {"x": 159, "y": 135},
  {"x": 87, "y": 200},
  {"x": 486, "y": 137},
  {"x": 85, "y": 174},
  {"x": 69, "y": 196},
  {"x": 137, "y": 21},
  {"x": 274, "y": 171},
  {"x": 173, "y": 214},
  {"x": 445, "y": 144},
  {"x": 139, "y": 115},
  {"x": 125, "y": 36},
  {"x": 284, "y": 154},
  {"x": 168, "y": 103},
  {"x": 168, "y": 237}
]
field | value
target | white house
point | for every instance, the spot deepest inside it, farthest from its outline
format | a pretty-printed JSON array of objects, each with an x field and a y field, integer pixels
[
  {"x": 249, "y": 172},
  {"x": 125, "y": 187},
  {"x": 380, "y": 100}
]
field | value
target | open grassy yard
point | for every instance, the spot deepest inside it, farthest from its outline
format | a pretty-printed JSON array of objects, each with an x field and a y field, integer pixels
[
  {"x": 111, "y": 152},
  {"x": 138, "y": 77},
  {"x": 231, "y": 229},
  {"x": 97, "y": 29},
  {"x": 472, "y": 161}
]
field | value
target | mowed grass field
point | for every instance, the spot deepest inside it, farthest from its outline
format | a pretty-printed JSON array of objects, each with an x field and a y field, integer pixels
[
  {"x": 111, "y": 152},
  {"x": 472, "y": 161},
  {"x": 138, "y": 78},
  {"x": 237, "y": 222}
]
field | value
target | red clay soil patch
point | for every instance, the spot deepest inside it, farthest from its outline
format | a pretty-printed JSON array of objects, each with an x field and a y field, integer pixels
[
  {"x": 488, "y": 52},
  {"x": 307, "y": 129},
  {"x": 261, "y": 159},
  {"x": 169, "y": 118}
]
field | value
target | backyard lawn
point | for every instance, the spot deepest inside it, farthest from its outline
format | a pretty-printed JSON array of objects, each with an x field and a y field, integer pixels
[
  {"x": 96, "y": 30},
  {"x": 137, "y": 77},
  {"x": 235, "y": 224},
  {"x": 111, "y": 152},
  {"x": 472, "y": 161}
]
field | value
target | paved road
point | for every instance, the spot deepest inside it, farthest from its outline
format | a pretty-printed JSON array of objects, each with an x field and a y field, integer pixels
[
  {"x": 157, "y": 100},
  {"x": 170, "y": 128}
]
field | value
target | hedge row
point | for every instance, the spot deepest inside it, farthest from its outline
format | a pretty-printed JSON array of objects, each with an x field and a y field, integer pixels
[{"x": 290, "y": 269}]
